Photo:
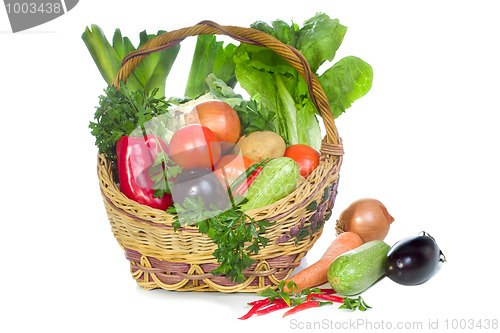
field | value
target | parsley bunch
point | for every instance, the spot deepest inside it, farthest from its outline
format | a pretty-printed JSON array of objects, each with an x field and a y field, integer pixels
[
  {"x": 229, "y": 230},
  {"x": 120, "y": 112}
]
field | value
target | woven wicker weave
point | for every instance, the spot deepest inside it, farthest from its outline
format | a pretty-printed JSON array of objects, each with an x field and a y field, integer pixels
[{"x": 182, "y": 260}]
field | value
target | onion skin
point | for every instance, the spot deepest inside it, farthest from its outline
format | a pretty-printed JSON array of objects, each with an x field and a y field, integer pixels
[
  {"x": 366, "y": 217},
  {"x": 221, "y": 118}
]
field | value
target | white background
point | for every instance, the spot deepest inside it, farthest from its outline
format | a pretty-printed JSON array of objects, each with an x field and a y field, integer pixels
[{"x": 424, "y": 141}]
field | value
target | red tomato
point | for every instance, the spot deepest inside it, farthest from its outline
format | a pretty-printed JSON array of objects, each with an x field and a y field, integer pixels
[
  {"x": 306, "y": 157},
  {"x": 221, "y": 118},
  {"x": 194, "y": 146},
  {"x": 233, "y": 166}
]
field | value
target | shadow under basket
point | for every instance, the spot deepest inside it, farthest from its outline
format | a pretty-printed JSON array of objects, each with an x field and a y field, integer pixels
[{"x": 182, "y": 259}]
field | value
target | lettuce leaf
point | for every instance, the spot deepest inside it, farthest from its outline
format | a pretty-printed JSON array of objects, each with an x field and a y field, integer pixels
[
  {"x": 319, "y": 39},
  {"x": 346, "y": 81},
  {"x": 274, "y": 83}
]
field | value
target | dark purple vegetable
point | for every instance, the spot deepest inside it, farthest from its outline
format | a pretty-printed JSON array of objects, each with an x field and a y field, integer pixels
[
  {"x": 201, "y": 183},
  {"x": 413, "y": 260}
]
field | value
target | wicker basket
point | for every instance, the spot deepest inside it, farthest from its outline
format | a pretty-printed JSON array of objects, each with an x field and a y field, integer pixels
[{"x": 182, "y": 260}]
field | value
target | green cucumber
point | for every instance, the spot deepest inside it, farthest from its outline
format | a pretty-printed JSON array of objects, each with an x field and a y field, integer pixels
[
  {"x": 277, "y": 179},
  {"x": 356, "y": 270}
]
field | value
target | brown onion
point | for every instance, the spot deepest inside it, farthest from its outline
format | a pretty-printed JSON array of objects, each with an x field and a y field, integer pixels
[{"x": 366, "y": 217}]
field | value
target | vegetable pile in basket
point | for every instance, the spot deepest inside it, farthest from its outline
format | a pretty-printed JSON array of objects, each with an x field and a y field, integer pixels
[{"x": 211, "y": 155}]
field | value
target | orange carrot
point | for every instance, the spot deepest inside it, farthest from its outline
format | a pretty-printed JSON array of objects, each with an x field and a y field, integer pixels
[{"x": 316, "y": 274}]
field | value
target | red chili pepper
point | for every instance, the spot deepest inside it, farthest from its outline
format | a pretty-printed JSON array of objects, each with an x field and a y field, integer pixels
[
  {"x": 251, "y": 312},
  {"x": 328, "y": 291},
  {"x": 245, "y": 185},
  {"x": 135, "y": 156},
  {"x": 264, "y": 301},
  {"x": 278, "y": 304},
  {"x": 303, "y": 306},
  {"x": 258, "y": 307},
  {"x": 326, "y": 297}
]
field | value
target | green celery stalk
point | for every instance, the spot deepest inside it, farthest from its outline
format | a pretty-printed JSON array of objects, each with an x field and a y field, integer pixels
[
  {"x": 105, "y": 57},
  {"x": 223, "y": 67},
  {"x": 150, "y": 74},
  {"x": 123, "y": 46},
  {"x": 119, "y": 44},
  {"x": 152, "y": 71},
  {"x": 146, "y": 67},
  {"x": 159, "y": 75},
  {"x": 287, "y": 119},
  {"x": 308, "y": 129},
  {"x": 210, "y": 56},
  {"x": 203, "y": 58}
]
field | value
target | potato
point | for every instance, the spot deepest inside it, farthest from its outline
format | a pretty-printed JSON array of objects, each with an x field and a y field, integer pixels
[{"x": 261, "y": 145}]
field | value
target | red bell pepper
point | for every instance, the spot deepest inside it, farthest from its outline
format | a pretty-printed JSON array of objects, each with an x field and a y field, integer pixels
[{"x": 135, "y": 156}]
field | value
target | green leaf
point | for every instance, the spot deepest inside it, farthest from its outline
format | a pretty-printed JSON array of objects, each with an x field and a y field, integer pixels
[
  {"x": 363, "y": 304},
  {"x": 281, "y": 285},
  {"x": 255, "y": 117},
  {"x": 346, "y": 304},
  {"x": 305, "y": 291},
  {"x": 254, "y": 248},
  {"x": 210, "y": 56},
  {"x": 121, "y": 113},
  {"x": 304, "y": 232},
  {"x": 308, "y": 129},
  {"x": 312, "y": 206},
  {"x": 325, "y": 303},
  {"x": 292, "y": 286},
  {"x": 229, "y": 230},
  {"x": 346, "y": 81},
  {"x": 118, "y": 44},
  {"x": 284, "y": 32},
  {"x": 268, "y": 293},
  {"x": 319, "y": 39},
  {"x": 354, "y": 304},
  {"x": 287, "y": 113},
  {"x": 150, "y": 73},
  {"x": 223, "y": 66},
  {"x": 326, "y": 194},
  {"x": 285, "y": 296},
  {"x": 171, "y": 210},
  {"x": 105, "y": 57}
]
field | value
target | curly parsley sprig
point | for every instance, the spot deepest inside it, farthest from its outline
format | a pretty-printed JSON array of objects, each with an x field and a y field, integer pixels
[
  {"x": 120, "y": 112},
  {"x": 230, "y": 230}
]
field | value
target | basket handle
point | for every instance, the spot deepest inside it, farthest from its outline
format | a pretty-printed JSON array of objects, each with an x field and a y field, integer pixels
[{"x": 331, "y": 146}]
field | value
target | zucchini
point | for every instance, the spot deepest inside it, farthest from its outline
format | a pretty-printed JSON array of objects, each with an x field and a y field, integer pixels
[
  {"x": 356, "y": 270},
  {"x": 277, "y": 179}
]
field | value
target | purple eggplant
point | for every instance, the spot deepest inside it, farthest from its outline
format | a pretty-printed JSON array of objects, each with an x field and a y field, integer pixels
[{"x": 414, "y": 260}]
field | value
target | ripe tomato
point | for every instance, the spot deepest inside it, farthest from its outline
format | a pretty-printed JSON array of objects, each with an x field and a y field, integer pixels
[
  {"x": 232, "y": 166},
  {"x": 221, "y": 118},
  {"x": 306, "y": 157},
  {"x": 194, "y": 146}
]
